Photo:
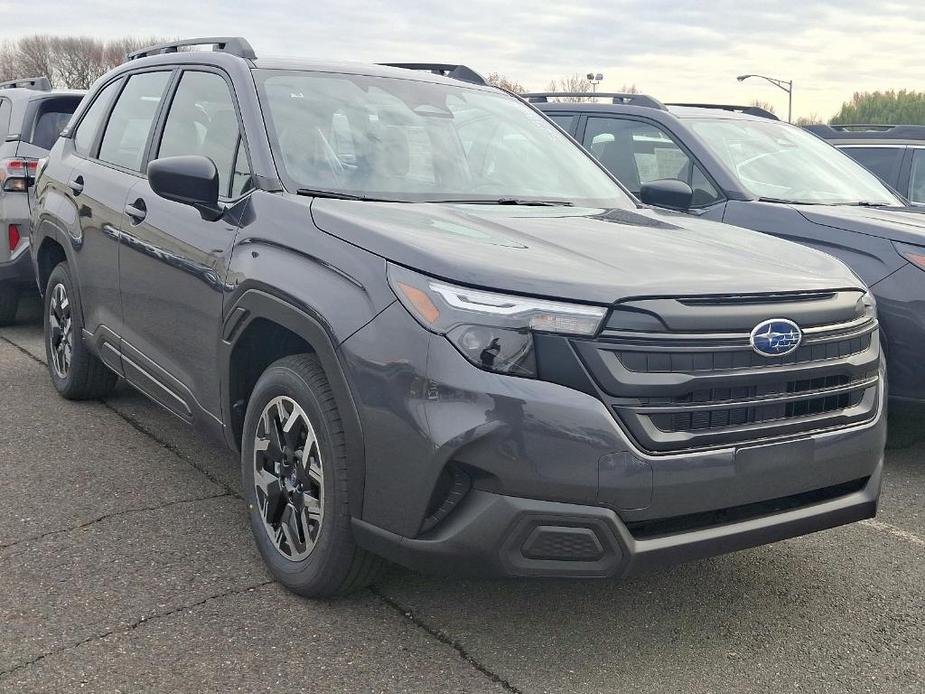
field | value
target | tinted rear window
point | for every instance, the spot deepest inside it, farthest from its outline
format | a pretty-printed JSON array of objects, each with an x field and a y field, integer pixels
[{"x": 51, "y": 117}]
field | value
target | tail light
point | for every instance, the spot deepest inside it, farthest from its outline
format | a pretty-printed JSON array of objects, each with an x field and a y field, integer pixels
[
  {"x": 14, "y": 236},
  {"x": 17, "y": 174}
]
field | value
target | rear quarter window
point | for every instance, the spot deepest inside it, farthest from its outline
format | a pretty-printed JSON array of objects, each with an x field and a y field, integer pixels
[{"x": 51, "y": 117}]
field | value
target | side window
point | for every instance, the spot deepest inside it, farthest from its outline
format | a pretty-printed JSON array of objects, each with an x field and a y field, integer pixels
[
  {"x": 5, "y": 109},
  {"x": 917, "y": 177},
  {"x": 883, "y": 162},
  {"x": 93, "y": 118},
  {"x": 202, "y": 121},
  {"x": 130, "y": 122},
  {"x": 637, "y": 152},
  {"x": 564, "y": 121}
]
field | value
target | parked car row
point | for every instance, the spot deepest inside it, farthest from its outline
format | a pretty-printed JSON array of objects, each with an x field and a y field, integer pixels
[{"x": 439, "y": 331}]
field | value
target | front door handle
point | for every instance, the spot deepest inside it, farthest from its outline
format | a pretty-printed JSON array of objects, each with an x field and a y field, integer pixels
[
  {"x": 77, "y": 185},
  {"x": 136, "y": 210}
]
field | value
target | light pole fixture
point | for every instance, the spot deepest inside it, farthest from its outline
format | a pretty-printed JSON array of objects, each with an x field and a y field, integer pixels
[
  {"x": 787, "y": 86},
  {"x": 595, "y": 79}
]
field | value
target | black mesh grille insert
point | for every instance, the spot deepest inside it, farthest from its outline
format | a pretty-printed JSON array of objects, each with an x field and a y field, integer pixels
[{"x": 688, "y": 362}]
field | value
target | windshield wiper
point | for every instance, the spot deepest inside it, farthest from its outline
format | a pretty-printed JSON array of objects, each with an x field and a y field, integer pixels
[
  {"x": 509, "y": 201},
  {"x": 338, "y": 195},
  {"x": 788, "y": 202}
]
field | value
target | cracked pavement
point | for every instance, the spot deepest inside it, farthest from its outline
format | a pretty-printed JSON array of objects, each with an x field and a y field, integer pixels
[{"x": 126, "y": 564}]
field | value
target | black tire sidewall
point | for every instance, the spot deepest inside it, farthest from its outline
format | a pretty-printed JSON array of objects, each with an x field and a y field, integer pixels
[
  {"x": 321, "y": 572},
  {"x": 61, "y": 275}
]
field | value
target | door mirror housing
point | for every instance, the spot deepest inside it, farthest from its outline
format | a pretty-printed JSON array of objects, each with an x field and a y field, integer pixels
[
  {"x": 190, "y": 180},
  {"x": 667, "y": 192}
]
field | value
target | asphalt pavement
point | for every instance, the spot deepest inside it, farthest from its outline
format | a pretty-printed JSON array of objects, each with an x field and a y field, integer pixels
[{"x": 126, "y": 565}]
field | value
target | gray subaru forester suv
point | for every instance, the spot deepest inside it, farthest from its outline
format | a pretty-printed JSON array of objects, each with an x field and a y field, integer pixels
[
  {"x": 31, "y": 116},
  {"x": 438, "y": 331}
]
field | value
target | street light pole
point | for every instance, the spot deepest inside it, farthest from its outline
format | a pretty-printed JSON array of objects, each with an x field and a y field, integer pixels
[{"x": 786, "y": 85}]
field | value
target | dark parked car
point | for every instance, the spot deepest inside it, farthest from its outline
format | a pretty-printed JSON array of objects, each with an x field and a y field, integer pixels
[
  {"x": 895, "y": 153},
  {"x": 31, "y": 116},
  {"x": 438, "y": 331},
  {"x": 742, "y": 166}
]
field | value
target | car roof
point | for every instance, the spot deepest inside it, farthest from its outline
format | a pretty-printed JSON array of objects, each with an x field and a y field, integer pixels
[
  {"x": 678, "y": 111},
  {"x": 235, "y": 50},
  {"x": 19, "y": 93},
  {"x": 869, "y": 133},
  {"x": 357, "y": 68}
]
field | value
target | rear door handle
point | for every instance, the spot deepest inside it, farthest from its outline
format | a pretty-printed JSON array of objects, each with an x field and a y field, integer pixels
[
  {"x": 77, "y": 185},
  {"x": 137, "y": 210}
]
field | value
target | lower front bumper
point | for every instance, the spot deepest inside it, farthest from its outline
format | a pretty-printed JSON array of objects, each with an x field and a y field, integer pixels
[{"x": 496, "y": 535}]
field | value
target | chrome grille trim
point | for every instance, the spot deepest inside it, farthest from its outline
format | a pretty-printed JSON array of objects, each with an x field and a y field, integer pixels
[{"x": 676, "y": 391}]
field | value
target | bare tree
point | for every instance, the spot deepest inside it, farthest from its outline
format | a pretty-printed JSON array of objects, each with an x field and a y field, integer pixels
[
  {"x": 74, "y": 62},
  {"x": 766, "y": 105},
  {"x": 630, "y": 89},
  {"x": 573, "y": 83},
  {"x": 499, "y": 80},
  {"x": 8, "y": 67},
  {"x": 812, "y": 119},
  {"x": 33, "y": 56}
]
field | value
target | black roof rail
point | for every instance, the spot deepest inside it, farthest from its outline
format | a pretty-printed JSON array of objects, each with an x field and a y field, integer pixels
[
  {"x": 456, "y": 72},
  {"x": 860, "y": 131},
  {"x": 748, "y": 110},
  {"x": 615, "y": 97},
  {"x": 235, "y": 45},
  {"x": 41, "y": 84}
]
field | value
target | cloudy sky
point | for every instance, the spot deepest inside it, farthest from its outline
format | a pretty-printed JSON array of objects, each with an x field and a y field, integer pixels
[{"x": 677, "y": 50}]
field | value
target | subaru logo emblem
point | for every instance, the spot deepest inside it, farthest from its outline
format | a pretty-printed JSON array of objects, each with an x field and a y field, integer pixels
[{"x": 776, "y": 337}]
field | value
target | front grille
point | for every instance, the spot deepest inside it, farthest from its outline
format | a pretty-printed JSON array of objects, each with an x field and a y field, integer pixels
[
  {"x": 682, "y": 390},
  {"x": 681, "y": 361}
]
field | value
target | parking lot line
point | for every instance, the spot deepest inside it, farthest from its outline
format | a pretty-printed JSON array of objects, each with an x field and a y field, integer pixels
[{"x": 894, "y": 531}]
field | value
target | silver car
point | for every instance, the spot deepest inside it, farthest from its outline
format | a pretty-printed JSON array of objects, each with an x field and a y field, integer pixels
[{"x": 31, "y": 116}]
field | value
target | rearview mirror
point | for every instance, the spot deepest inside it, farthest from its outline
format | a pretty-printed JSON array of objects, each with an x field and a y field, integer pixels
[
  {"x": 667, "y": 192},
  {"x": 190, "y": 180}
]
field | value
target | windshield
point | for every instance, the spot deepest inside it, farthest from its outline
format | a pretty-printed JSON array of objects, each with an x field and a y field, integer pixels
[
  {"x": 417, "y": 141},
  {"x": 780, "y": 162}
]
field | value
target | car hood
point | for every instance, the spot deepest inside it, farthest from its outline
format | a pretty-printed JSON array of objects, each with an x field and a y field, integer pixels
[
  {"x": 903, "y": 224},
  {"x": 592, "y": 255}
]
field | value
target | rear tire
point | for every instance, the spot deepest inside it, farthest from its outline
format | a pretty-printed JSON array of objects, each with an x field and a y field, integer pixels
[
  {"x": 294, "y": 475},
  {"x": 9, "y": 302},
  {"x": 76, "y": 373}
]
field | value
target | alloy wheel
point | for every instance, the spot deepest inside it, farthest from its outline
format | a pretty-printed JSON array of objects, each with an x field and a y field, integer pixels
[
  {"x": 60, "y": 331},
  {"x": 288, "y": 478}
]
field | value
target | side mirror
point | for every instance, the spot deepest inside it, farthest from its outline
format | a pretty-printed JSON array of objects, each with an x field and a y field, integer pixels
[
  {"x": 667, "y": 192},
  {"x": 190, "y": 180}
]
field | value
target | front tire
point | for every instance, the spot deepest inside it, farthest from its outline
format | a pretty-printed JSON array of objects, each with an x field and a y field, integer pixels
[
  {"x": 76, "y": 373},
  {"x": 294, "y": 475}
]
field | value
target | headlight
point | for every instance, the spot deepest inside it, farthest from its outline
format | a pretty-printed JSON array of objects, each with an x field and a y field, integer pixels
[
  {"x": 866, "y": 306},
  {"x": 914, "y": 254},
  {"x": 493, "y": 331}
]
